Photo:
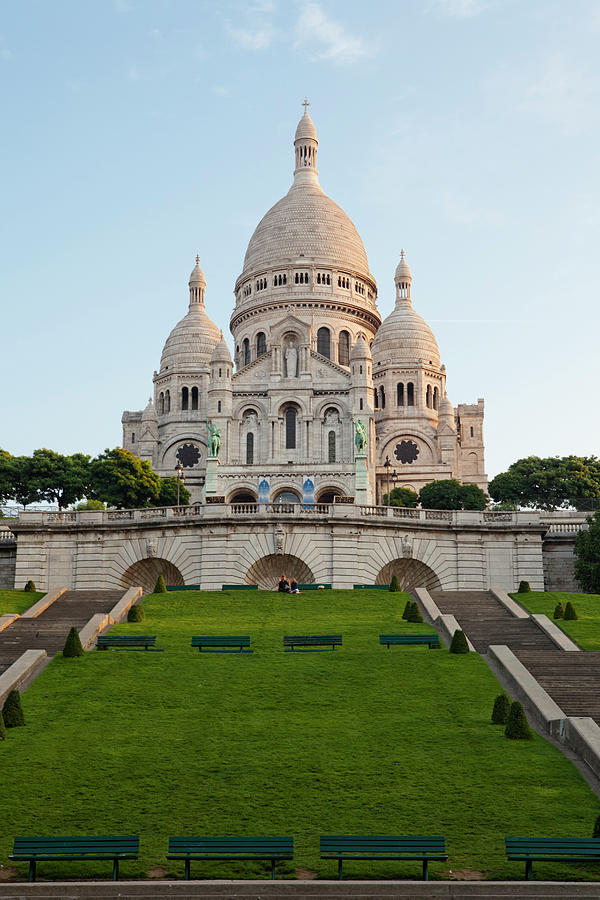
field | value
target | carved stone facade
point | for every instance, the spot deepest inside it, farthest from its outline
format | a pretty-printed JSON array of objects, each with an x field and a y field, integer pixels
[{"x": 311, "y": 358}]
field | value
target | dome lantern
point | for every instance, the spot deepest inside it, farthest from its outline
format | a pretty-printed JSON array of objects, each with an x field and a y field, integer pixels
[
  {"x": 305, "y": 146},
  {"x": 197, "y": 284},
  {"x": 403, "y": 279}
]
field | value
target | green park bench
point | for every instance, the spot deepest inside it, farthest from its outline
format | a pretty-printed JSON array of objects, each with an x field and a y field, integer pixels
[
  {"x": 239, "y": 587},
  {"x": 128, "y": 642},
  {"x": 37, "y": 849},
  {"x": 183, "y": 587},
  {"x": 432, "y": 640},
  {"x": 379, "y": 847},
  {"x": 214, "y": 643},
  {"x": 371, "y": 587},
  {"x": 230, "y": 848},
  {"x": 314, "y": 587},
  {"x": 528, "y": 849},
  {"x": 309, "y": 642}
]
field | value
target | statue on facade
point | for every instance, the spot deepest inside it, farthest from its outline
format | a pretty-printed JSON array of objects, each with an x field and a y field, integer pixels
[
  {"x": 214, "y": 440},
  {"x": 360, "y": 436},
  {"x": 291, "y": 360}
]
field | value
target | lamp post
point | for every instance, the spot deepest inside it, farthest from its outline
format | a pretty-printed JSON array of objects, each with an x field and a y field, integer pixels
[
  {"x": 386, "y": 466},
  {"x": 180, "y": 479}
]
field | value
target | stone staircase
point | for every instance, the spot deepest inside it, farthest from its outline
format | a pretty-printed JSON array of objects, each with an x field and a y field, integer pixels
[
  {"x": 50, "y": 629},
  {"x": 571, "y": 679},
  {"x": 486, "y": 622}
]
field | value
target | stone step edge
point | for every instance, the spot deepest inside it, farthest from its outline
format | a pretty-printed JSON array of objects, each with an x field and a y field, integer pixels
[
  {"x": 26, "y": 667},
  {"x": 445, "y": 624},
  {"x": 43, "y": 603}
]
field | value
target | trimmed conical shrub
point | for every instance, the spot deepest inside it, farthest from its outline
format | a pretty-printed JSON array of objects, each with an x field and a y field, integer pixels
[
  {"x": 459, "y": 642},
  {"x": 73, "y": 645},
  {"x": 394, "y": 586},
  {"x": 570, "y": 613},
  {"x": 596, "y": 833},
  {"x": 415, "y": 613},
  {"x": 517, "y": 726},
  {"x": 30, "y": 587},
  {"x": 501, "y": 710},
  {"x": 407, "y": 610},
  {"x": 136, "y": 613},
  {"x": 524, "y": 588},
  {"x": 12, "y": 710},
  {"x": 160, "y": 587},
  {"x": 2, "y": 728},
  {"x": 559, "y": 611}
]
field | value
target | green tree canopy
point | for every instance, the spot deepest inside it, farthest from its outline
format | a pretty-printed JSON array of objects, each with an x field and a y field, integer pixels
[
  {"x": 451, "y": 494},
  {"x": 401, "y": 497},
  {"x": 7, "y": 475},
  {"x": 59, "y": 479},
  {"x": 549, "y": 483},
  {"x": 587, "y": 556},
  {"x": 168, "y": 492},
  {"x": 121, "y": 479}
]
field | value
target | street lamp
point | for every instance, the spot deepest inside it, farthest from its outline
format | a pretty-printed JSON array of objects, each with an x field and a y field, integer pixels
[
  {"x": 180, "y": 479},
  {"x": 386, "y": 466}
]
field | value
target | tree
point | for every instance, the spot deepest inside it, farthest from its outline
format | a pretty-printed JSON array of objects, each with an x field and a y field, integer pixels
[
  {"x": 559, "y": 611},
  {"x": 2, "y": 727},
  {"x": 517, "y": 726},
  {"x": 30, "y": 587},
  {"x": 570, "y": 614},
  {"x": 501, "y": 710},
  {"x": 401, "y": 497},
  {"x": 7, "y": 476},
  {"x": 24, "y": 491},
  {"x": 394, "y": 586},
  {"x": 549, "y": 483},
  {"x": 60, "y": 479},
  {"x": 415, "y": 613},
  {"x": 121, "y": 479},
  {"x": 407, "y": 610},
  {"x": 168, "y": 492},
  {"x": 90, "y": 504},
  {"x": 451, "y": 494},
  {"x": 459, "y": 643},
  {"x": 73, "y": 646},
  {"x": 524, "y": 588},
  {"x": 12, "y": 710},
  {"x": 160, "y": 586},
  {"x": 136, "y": 613},
  {"x": 587, "y": 556}
]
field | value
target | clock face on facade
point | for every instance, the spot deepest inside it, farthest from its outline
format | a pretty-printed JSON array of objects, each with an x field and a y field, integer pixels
[
  {"x": 406, "y": 451},
  {"x": 188, "y": 455}
]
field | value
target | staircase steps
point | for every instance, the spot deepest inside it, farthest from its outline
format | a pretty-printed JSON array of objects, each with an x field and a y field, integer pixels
[{"x": 572, "y": 679}]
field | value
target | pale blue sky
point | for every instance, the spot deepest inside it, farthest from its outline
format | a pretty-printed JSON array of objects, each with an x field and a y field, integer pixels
[{"x": 137, "y": 133}]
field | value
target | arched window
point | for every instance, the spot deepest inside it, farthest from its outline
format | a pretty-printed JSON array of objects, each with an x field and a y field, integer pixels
[
  {"x": 161, "y": 404},
  {"x": 290, "y": 428},
  {"x": 331, "y": 447},
  {"x": 382, "y": 398},
  {"x": 400, "y": 394},
  {"x": 376, "y": 397},
  {"x": 361, "y": 403},
  {"x": 184, "y": 398},
  {"x": 428, "y": 396},
  {"x": 168, "y": 401},
  {"x": 344, "y": 349},
  {"x": 194, "y": 398},
  {"x": 436, "y": 398},
  {"x": 324, "y": 342},
  {"x": 410, "y": 394},
  {"x": 246, "y": 346},
  {"x": 261, "y": 343},
  {"x": 249, "y": 448},
  {"x": 218, "y": 406},
  {"x": 319, "y": 278}
]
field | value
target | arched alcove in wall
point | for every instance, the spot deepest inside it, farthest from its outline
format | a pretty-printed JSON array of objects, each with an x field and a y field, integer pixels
[
  {"x": 145, "y": 573},
  {"x": 267, "y": 571},
  {"x": 411, "y": 573}
]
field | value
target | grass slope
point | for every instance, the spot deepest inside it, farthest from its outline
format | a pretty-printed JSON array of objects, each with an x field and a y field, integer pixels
[
  {"x": 18, "y": 601},
  {"x": 361, "y": 740},
  {"x": 585, "y": 630}
]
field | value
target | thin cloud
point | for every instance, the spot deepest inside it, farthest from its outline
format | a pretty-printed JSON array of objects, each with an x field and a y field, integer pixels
[
  {"x": 258, "y": 31},
  {"x": 461, "y": 9},
  {"x": 314, "y": 29}
]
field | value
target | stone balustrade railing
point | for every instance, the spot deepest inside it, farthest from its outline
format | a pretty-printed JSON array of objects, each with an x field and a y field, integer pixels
[{"x": 568, "y": 523}]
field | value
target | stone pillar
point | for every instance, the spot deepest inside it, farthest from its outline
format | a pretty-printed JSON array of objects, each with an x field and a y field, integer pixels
[
  {"x": 210, "y": 488},
  {"x": 362, "y": 487}
]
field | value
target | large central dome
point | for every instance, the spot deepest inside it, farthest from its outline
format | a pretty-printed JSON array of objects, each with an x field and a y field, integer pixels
[{"x": 306, "y": 222}]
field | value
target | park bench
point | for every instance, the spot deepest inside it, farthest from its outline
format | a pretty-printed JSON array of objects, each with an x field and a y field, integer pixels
[
  {"x": 37, "y": 849},
  {"x": 239, "y": 587},
  {"x": 128, "y": 642},
  {"x": 432, "y": 640},
  {"x": 371, "y": 587},
  {"x": 215, "y": 643},
  {"x": 380, "y": 847},
  {"x": 230, "y": 848},
  {"x": 183, "y": 587},
  {"x": 308, "y": 642},
  {"x": 528, "y": 849}
]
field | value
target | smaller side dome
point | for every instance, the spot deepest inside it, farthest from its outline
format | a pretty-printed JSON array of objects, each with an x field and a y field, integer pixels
[
  {"x": 149, "y": 413},
  {"x": 221, "y": 352},
  {"x": 360, "y": 349}
]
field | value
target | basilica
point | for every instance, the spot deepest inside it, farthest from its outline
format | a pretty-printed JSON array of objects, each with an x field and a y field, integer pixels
[{"x": 313, "y": 368}]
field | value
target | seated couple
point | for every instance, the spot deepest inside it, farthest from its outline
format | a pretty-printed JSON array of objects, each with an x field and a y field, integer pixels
[{"x": 288, "y": 587}]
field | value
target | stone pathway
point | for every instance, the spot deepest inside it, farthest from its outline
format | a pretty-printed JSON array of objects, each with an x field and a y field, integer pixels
[{"x": 50, "y": 629}]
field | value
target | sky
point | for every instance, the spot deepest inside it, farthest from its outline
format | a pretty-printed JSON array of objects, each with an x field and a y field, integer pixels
[{"x": 135, "y": 134}]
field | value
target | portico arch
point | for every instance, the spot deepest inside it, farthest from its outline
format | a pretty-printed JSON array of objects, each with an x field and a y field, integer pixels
[
  {"x": 411, "y": 573},
  {"x": 267, "y": 571},
  {"x": 146, "y": 572}
]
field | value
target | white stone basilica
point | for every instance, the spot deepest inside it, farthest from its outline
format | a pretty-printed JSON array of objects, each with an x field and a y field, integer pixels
[{"x": 312, "y": 357}]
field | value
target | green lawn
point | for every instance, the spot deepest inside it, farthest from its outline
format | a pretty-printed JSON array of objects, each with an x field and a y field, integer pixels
[
  {"x": 18, "y": 601},
  {"x": 361, "y": 740},
  {"x": 585, "y": 630}
]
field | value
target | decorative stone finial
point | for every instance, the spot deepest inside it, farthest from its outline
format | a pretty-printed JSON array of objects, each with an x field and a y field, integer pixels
[
  {"x": 198, "y": 258},
  {"x": 306, "y": 104}
]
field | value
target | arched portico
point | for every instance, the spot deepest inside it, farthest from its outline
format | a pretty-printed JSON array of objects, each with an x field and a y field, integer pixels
[
  {"x": 411, "y": 573},
  {"x": 146, "y": 572},
  {"x": 267, "y": 571}
]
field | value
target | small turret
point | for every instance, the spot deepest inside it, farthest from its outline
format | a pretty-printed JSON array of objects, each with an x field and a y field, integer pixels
[
  {"x": 197, "y": 284},
  {"x": 220, "y": 387},
  {"x": 148, "y": 440},
  {"x": 361, "y": 381}
]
